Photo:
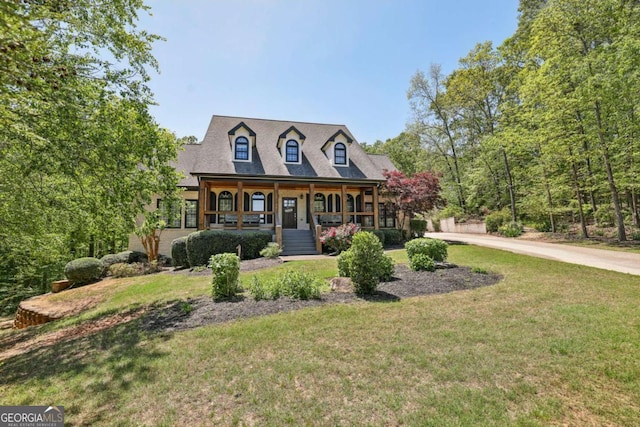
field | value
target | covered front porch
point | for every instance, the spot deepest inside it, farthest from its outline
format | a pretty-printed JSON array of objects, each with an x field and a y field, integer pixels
[{"x": 252, "y": 204}]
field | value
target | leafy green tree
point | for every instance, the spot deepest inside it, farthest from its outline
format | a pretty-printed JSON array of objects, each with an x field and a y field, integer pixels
[
  {"x": 405, "y": 151},
  {"x": 80, "y": 155}
]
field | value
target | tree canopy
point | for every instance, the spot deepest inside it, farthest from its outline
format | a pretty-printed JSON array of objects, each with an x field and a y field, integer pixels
[
  {"x": 80, "y": 155},
  {"x": 546, "y": 123}
]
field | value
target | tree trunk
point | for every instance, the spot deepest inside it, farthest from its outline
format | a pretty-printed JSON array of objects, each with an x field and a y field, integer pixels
[
  {"x": 576, "y": 183},
  {"x": 549, "y": 200},
  {"x": 590, "y": 179},
  {"x": 634, "y": 206},
  {"x": 622, "y": 235},
  {"x": 512, "y": 195}
]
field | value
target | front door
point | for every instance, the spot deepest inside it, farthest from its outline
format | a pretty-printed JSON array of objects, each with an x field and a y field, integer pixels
[{"x": 289, "y": 212}]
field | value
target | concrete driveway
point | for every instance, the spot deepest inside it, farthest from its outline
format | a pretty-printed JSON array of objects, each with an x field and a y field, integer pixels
[{"x": 623, "y": 262}]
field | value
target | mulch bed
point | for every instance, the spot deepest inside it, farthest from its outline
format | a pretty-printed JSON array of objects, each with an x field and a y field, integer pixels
[{"x": 404, "y": 284}]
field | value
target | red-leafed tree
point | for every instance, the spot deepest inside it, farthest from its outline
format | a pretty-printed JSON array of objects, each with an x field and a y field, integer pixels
[{"x": 417, "y": 194}]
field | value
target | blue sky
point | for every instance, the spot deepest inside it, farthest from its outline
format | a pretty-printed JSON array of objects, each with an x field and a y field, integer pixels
[{"x": 326, "y": 61}]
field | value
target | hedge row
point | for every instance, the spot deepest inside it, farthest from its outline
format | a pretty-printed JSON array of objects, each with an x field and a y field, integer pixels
[{"x": 201, "y": 245}]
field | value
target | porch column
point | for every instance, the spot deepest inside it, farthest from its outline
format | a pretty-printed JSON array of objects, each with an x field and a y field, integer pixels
[
  {"x": 312, "y": 195},
  {"x": 376, "y": 212},
  {"x": 363, "y": 205},
  {"x": 276, "y": 201},
  {"x": 202, "y": 205},
  {"x": 343, "y": 205},
  {"x": 276, "y": 210},
  {"x": 240, "y": 207}
]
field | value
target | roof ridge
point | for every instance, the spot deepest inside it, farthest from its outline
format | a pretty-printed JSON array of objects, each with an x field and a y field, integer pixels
[{"x": 276, "y": 120}]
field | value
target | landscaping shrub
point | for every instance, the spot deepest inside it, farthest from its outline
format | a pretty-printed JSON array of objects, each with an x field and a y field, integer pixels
[
  {"x": 179, "y": 252},
  {"x": 226, "y": 272},
  {"x": 126, "y": 257},
  {"x": 385, "y": 268},
  {"x": 344, "y": 263},
  {"x": 84, "y": 270},
  {"x": 271, "y": 251},
  {"x": 294, "y": 284},
  {"x": 392, "y": 236},
  {"x": 253, "y": 242},
  {"x": 380, "y": 235},
  {"x": 635, "y": 235},
  {"x": 121, "y": 269},
  {"x": 259, "y": 290},
  {"x": 511, "y": 229},
  {"x": 422, "y": 262},
  {"x": 435, "y": 249},
  {"x": 201, "y": 245},
  {"x": 496, "y": 219},
  {"x": 110, "y": 259},
  {"x": 367, "y": 256},
  {"x": 418, "y": 227},
  {"x": 339, "y": 238}
]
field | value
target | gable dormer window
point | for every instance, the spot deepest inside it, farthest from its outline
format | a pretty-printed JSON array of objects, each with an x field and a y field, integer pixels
[
  {"x": 340, "y": 154},
  {"x": 337, "y": 148},
  {"x": 290, "y": 145},
  {"x": 242, "y": 141},
  {"x": 241, "y": 148},
  {"x": 292, "y": 152}
]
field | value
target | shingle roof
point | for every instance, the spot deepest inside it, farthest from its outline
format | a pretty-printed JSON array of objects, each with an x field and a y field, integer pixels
[
  {"x": 214, "y": 155},
  {"x": 382, "y": 162},
  {"x": 186, "y": 160}
]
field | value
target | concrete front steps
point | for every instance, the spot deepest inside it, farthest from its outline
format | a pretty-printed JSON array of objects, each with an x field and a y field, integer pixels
[{"x": 298, "y": 242}]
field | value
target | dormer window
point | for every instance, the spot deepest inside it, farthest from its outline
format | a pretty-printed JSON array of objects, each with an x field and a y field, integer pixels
[
  {"x": 337, "y": 148},
  {"x": 340, "y": 154},
  {"x": 290, "y": 145},
  {"x": 241, "y": 150},
  {"x": 292, "y": 152},
  {"x": 242, "y": 141}
]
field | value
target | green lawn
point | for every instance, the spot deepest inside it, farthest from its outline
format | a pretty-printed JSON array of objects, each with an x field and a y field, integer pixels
[{"x": 552, "y": 343}]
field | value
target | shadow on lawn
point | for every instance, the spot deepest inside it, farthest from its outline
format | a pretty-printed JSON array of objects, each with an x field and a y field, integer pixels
[{"x": 92, "y": 370}]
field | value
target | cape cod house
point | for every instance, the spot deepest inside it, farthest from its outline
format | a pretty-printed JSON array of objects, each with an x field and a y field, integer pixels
[{"x": 289, "y": 178}]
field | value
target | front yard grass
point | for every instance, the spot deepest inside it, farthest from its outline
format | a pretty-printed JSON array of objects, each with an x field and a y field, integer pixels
[{"x": 552, "y": 343}]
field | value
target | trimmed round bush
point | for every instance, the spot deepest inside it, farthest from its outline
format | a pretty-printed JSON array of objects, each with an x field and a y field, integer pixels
[
  {"x": 110, "y": 259},
  {"x": 136, "y": 256},
  {"x": 252, "y": 242},
  {"x": 422, "y": 262},
  {"x": 435, "y": 249},
  {"x": 383, "y": 269},
  {"x": 179, "y": 252},
  {"x": 368, "y": 254},
  {"x": 84, "y": 270},
  {"x": 126, "y": 257},
  {"x": 392, "y": 236}
]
